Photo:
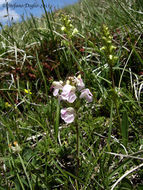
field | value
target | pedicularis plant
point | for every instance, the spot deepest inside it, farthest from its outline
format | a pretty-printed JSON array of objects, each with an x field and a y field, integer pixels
[
  {"x": 68, "y": 29},
  {"x": 108, "y": 50},
  {"x": 71, "y": 92}
]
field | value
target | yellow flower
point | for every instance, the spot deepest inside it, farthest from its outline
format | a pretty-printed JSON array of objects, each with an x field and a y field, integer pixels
[
  {"x": 15, "y": 143},
  {"x": 27, "y": 91},
  {"x": 7, "y": 105}
]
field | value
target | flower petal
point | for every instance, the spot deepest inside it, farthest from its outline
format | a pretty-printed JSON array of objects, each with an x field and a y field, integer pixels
[
  {"x": 68, "y": 114},
  {"x": 55, "y": 92},
  {"x": 57, "y": 86},
  {"x": 72, "y": 97},
  {"x": 63, "y": 111},
  {"x": 69, "y": 118},
  {"x": 86, "y": 94},
  {"x": 79, "y": 82},
  {"x": 68, "y": 93}
]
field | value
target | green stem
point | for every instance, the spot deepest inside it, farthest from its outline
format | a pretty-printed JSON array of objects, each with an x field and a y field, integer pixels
[
  {"x": 77, "y": 153},
  {"x": 118, "y": 114},
  {"x": 77, "y": 145},
  {"x": 110, "y": 127},
  {"x": 115, "y": 101},
  {"x": 112, "y": 76}
]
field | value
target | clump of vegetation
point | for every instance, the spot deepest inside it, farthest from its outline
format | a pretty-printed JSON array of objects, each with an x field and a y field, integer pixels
[{"x": 71, "y": 98}]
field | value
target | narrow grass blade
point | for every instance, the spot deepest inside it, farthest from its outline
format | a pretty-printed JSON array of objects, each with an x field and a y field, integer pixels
[
  {"x": 24, "y": 168},
  {"x": 41, "y": 70},
  {"x": 48, "y": 20},
  {"x": 124, "y": 128},
  {"x": 56, "y": 126},
  {"x": 110, "y": 126}
]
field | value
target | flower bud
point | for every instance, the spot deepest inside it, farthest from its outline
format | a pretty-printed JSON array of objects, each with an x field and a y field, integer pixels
[
  {"x": 75, "y": 31},
  {"x": 102, "y": 48},
  {"x": 110, "y": 57},
  {"x": 109, "y": 41},
  {"x": 112, "y": 48},
  {"x": 104, "y": 38},
  {"x": 63, "y": 28}
]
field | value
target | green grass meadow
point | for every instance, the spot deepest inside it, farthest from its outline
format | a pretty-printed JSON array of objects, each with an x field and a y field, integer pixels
[{"x": 102, "y": 149}]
